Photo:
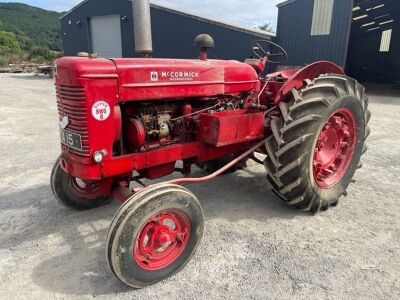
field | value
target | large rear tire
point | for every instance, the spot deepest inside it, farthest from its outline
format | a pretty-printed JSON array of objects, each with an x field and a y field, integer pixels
[
  {"x": 75, "y": 193},
  {"x": 317, "y": 145}
]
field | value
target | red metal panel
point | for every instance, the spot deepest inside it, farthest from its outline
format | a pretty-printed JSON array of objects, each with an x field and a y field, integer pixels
[
  {"x": 239, "y": 77},
  {"x": 128, "y": 163},
  {"x": 153, "y": 79},
  {"x": 81, "y": 82},
  {"x": 125, "y": 165},
  {"x": 229, "y": 127},
  {"x": 310, "y": 72}
]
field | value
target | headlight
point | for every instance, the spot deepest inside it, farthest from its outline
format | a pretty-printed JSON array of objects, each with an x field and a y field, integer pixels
[{"x": 98, "y": 156}]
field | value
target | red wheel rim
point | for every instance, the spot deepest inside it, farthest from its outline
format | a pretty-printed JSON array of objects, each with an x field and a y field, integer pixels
[
  {"x": 334, "y": 148},
  {"x": 86, "y": 190},
  {"x": 162, "y": 240}
]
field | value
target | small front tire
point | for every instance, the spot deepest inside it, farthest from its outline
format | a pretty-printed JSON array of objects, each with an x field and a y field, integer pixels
[
  {"x": 75, "y": 193},
  {"x": 154, "y": 235}
]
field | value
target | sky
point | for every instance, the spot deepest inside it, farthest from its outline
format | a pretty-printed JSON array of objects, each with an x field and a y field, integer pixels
[{"x": 241, "y": 12}]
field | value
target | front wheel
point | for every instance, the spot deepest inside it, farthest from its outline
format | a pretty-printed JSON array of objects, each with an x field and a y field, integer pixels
[
  {"x": 154, "y": 235},
  {"x": 317, "y": 145},
  {"x": 76, "y": 193}
]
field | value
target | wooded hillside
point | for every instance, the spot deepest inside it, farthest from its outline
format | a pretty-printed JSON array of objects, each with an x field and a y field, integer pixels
[{"x": 28, "y": 33}]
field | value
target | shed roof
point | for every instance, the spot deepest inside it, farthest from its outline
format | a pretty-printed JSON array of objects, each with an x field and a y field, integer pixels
[
  {"x": 284, "y": 3},
  {"x": 244, "y": 29}
]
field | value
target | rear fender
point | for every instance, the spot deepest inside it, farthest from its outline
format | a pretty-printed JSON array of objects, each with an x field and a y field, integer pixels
[{"x": 309, "y": 72}]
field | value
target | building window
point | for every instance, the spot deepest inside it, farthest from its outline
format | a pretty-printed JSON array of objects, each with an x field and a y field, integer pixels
[
  {"x": 322, "y": 17},
  {"x": 385, "y": 41}
]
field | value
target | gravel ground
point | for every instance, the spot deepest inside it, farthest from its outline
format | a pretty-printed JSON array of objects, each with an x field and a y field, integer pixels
[{"x": 254, "y": 247}]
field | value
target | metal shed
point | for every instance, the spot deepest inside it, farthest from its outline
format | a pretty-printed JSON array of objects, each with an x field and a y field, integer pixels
[
  {"x": 374, "y": 48},
  {"x": 106, "y": 26},
  {"x": 298, "y": 27},
  {"x": 362, "y": 36}
]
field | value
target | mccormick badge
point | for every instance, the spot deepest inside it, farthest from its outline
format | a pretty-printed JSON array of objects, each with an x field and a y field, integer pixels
[{"x": 101, "y": 110}]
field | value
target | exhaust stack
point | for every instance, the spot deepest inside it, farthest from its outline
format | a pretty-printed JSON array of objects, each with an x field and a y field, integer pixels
[{"x": 142, "y": 27}]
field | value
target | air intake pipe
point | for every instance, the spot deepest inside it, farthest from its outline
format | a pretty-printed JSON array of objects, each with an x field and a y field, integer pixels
[{"x": 142, "y": 27}]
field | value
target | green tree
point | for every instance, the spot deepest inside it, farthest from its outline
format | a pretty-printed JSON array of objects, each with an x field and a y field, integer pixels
[
  {"x": 32, "y": 26},
  {"x": 37, "y": 32},
  {"x": 9, "y": 44}
]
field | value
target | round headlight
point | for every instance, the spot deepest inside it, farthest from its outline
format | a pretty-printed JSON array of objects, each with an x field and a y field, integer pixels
[{"x": 98, "y": 157}]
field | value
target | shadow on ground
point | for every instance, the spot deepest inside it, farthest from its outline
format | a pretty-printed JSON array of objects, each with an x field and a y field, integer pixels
[
  {"x": 383, "y": 93},
  {"x": 82, "y": 266}
]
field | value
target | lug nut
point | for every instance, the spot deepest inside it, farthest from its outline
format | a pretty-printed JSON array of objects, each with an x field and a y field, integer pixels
[{"x": 179, "y": 237}]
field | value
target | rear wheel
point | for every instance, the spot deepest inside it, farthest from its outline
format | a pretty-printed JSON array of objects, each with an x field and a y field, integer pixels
[
  {"x": 317, "y": 145},
  {"x": 154, "y": 235},
  {"x": 76, "y": 193}
]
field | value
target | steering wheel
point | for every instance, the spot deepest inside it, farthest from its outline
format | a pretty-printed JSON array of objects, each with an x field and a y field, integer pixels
[{"x": 261, "y": 49}]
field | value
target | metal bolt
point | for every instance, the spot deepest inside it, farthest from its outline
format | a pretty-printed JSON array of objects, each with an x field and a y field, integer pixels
[{"x": 179, "y": 237}]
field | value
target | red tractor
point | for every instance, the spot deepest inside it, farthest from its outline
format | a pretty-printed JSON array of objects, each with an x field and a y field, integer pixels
[{"x": 122, "y": 120}]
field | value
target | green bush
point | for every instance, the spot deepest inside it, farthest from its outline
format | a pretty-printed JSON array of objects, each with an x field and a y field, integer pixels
[
  {"x": 42, "y": 27},
  {"x": 28, "y": 34},
  {"x": 9, "y": 43},
  {"x": 39, "y": 52},
  {"x": 12, "y": 59},
  {"x": 43, "y": 54},
  {"x": 3, "y": 62}
]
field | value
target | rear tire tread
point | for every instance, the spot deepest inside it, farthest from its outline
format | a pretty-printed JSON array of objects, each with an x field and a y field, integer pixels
[{"x": 286, "y": 148}]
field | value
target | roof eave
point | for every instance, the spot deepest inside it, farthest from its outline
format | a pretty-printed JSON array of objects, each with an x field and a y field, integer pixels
[
  {"x": 239, "y": 28},
  {"x": 74, "y": 8},
  {"x": 287, "y": 2},
  {"x": 235, "y": 27}
]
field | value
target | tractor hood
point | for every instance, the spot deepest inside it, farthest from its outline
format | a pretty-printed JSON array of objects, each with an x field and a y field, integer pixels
[{"x": 150, "y": 78}]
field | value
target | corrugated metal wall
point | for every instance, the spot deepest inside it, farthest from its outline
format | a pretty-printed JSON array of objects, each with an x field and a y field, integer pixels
[
  {"x": 365, "y": 61},
  {"x": 173, "y": 37},
  {"x": 75, "y": 27},
  {"x": 295, "y": 28},
  {"x": 173, "y": 34}
]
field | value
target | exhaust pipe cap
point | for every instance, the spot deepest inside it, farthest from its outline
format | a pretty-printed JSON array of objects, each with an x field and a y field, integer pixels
[{"x": 204, "y": 41}]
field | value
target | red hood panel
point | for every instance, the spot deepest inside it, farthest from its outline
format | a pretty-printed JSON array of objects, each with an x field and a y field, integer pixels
[
  {"x": 151, "y": 78},
  {"x": 74, "y": 71}
]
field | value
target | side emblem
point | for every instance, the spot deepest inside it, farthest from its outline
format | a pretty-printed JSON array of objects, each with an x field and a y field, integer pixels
[
  {"x": 101, "y": 110},
  {"x": 64, "y": 122},
  {"x": 154, "y": 76}
]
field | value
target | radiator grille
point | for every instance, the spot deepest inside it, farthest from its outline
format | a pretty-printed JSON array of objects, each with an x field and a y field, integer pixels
[{"x": 71, "y": 102}]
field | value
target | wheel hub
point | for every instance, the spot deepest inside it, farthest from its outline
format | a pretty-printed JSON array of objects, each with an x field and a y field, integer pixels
[
  {"x": 82, "y": 184},
  {"x": 84, "y": 189},
  {"x": 334, "y": 148},
  {"x": 162, "y": 240}
]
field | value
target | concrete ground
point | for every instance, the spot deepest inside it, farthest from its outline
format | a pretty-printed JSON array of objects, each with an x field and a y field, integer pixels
[{"x": 254, "y": 247}]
